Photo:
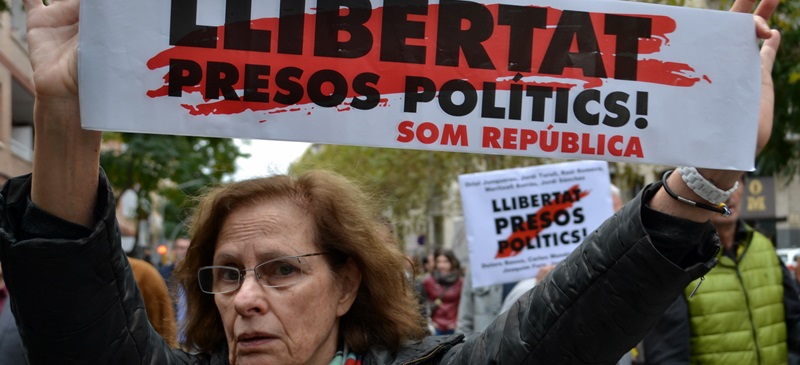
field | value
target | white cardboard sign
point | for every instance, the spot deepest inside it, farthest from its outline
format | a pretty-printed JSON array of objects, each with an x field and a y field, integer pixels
[
  {"x": 583, "y": 79},
  {"x": 518, "y": 220}
]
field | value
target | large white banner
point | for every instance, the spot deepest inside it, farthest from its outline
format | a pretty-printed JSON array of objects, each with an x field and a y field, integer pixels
[
  {"x": 583, "y": 79},
  {"x": 519, "y": 220}
]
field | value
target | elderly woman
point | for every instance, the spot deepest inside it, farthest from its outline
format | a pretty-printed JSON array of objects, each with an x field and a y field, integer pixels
[{"x": 287, "y": 270}]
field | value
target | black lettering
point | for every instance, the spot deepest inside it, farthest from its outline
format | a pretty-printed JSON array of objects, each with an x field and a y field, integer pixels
[
  {"x": 628, "y": 30},
  {"x": 522, "y": 20},
  {"x": 488, "y": 108},
  {"x": 396, "y": 28},
  {"x": 580, "y": 109},
  {"x": 183, "y": 73},
  {"x": 238, "y": 34},
  {"x": 538, "y": 95},
  {"x": 361, "y": 85},
  {"x": 451, "y": 39},
  {"x": 289, "y": 79},
  {"x": 517, "y": 244},
  {"x": 516, "y": 224},
  {"x": 183, "y": 28},
  {"x": 545, "y": 219},
  {"x": 321, "y": 77},
  {"x": 330, "y": 23},
  {"x": 515, "y": 102},
  {"x": 561, "y": 217},
  {"x": 574, "y": 25},
  {"x": 577, "y": 213},
  {"x": 446, "y": 97},
  {"x": 615, "y": 103},
  {"x": 221, "y": 76},
  {"x": 413, "y": 95},
  {"x": 501, "y": 246},
  {"x": 533, "y": 221},
  {"x": 290, "y": 26},
  {"x": 253, "y": 82},
  {"x": 562, "y": 105},
  {"x": 499, "y": 224}
]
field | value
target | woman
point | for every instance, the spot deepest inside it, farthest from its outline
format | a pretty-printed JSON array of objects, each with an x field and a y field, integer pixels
[
  {"x": 295, "y": 271},
  {"x": 443, "y": 292},
  {"x": 326, "y": 273}
]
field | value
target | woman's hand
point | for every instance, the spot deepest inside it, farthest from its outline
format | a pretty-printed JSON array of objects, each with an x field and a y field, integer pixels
[
  {"x": 725, "y": 179},
  {"x": 543, "y": 271},
  {"x": 53, "y": 48},
  {"x": 769, "y": 49}
]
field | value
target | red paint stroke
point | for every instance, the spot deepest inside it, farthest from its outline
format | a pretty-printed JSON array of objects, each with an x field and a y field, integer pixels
[
  {"x": 393, "y": 74},
  {"x": 552, "y": 207}
]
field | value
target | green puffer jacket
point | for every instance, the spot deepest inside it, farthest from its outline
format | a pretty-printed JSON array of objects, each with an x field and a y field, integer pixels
[{"x": 737, "y": 316}]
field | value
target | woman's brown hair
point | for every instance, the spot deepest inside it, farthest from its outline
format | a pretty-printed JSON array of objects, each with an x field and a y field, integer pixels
[{"x": 385, "y": 311}]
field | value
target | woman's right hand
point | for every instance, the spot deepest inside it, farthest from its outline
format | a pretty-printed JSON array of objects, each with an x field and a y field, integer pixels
[{"x": 53, "y": 48}]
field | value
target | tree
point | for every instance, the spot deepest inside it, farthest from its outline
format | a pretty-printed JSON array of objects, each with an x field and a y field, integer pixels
[
  {"x": 173, "y": 168},
  {"x": 408, "y": 182},
  {"x": 782, "y": 154},
  {"x": 415, "y": 183}
]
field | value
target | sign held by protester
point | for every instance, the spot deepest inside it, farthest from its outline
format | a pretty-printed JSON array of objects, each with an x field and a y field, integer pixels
[
  {"x": 518, "y": 220},
  {"x": 608, "y": 80}
]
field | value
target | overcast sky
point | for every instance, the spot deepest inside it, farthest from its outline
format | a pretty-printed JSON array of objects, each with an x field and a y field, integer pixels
[{"x": 267, "y": 157}]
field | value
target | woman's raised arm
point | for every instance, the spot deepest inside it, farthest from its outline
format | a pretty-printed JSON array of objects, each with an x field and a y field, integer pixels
[{"x": 66, "y": 159}]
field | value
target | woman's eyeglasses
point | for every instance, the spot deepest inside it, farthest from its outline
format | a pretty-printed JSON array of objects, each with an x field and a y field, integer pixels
[{"x": 282, "y": 271}]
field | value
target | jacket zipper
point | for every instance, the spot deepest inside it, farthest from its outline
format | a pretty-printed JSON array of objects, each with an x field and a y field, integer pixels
[
  {"x": 703, "y": 278},
  {"x": 426, "y": 357}
]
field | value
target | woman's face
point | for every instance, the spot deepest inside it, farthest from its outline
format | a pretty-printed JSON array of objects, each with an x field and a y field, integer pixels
[
  {"x": 296, "y": 324},
  {"x": 443, "y": 264}
]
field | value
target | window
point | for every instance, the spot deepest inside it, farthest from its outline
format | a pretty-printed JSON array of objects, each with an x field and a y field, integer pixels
[
  {"x": 22, "y": 121},
  {"x": 18, "y": 29}
]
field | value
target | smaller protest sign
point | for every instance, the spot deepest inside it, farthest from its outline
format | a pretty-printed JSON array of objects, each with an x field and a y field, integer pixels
[{"x": 518, "y": 220}]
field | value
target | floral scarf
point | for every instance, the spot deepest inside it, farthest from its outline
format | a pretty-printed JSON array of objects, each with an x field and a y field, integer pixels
[{"x": 345, "y": 357}]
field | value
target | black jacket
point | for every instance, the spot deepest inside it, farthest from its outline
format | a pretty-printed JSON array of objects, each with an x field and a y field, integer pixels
[{"x": 76, "y": 301}]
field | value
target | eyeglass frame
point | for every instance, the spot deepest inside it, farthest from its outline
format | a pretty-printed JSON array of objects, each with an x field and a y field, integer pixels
[{"x": 243, "y": 272}]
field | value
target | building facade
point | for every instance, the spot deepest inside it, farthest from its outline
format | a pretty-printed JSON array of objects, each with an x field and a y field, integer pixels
[{"x": 16, "y": 95}]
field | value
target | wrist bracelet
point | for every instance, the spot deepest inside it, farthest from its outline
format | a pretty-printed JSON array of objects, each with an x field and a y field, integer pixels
[
  {"x": 721, "y": 208},
  {"x": 704, "y": 188}
]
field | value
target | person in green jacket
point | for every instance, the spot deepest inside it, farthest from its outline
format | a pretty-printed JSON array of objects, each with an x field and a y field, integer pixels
[{"x": 747, "y": 310}]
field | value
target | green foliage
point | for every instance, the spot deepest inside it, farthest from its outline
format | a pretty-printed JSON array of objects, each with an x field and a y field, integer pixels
[
  {"x": 782, "y": 154},
  {"x": 4, "y": 6},
  {"x": 173, "y": 167},
  {"x": 406, "y": 181}
]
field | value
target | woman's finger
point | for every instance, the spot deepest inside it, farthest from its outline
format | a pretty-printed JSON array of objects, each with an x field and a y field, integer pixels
[
  {"x": 743, "y": 6},
  {"x": 766, "y": 8},
  {"x": 769, "y": 50},
  {"x": 32, "y": 4},
  {"x": 763, "y": 30}
]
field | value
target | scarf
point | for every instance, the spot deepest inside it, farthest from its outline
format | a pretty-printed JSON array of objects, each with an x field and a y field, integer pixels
[
  {"x": 345, "y": 357},
  {"x": 445, "y": 279}
]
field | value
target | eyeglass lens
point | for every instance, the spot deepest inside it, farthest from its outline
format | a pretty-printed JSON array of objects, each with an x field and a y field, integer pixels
[{"x": 274, "y": 273}]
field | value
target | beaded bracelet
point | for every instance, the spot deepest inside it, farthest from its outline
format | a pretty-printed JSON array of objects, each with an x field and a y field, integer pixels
[
  {"x": 720, "y": 208},
  {"x": 704, "y": 188}
]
